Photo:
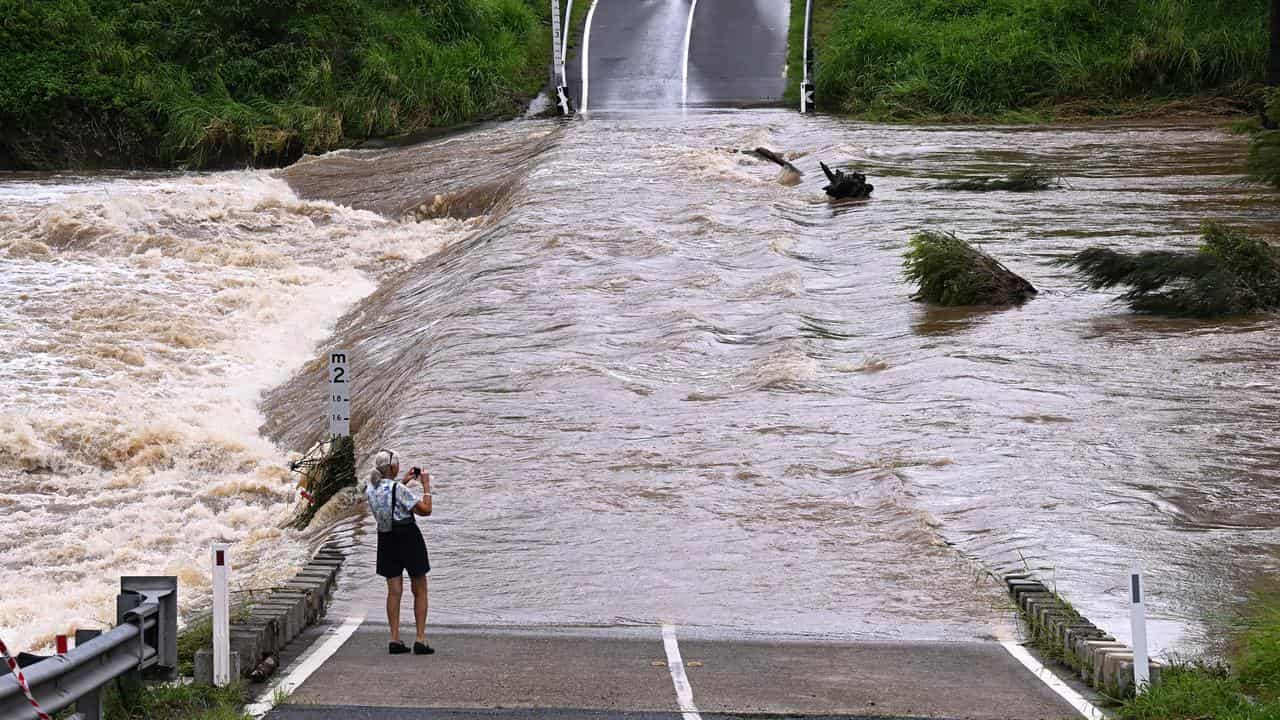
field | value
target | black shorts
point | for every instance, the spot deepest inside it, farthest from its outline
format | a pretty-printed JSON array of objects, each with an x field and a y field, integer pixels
[{"x": 402, "y": 550}]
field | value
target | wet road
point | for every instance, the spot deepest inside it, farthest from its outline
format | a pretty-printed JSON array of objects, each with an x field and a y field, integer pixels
[{"x": 665, "y": 54}]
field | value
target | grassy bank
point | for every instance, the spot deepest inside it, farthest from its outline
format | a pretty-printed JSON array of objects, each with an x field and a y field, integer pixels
[
  {"x": 1032, "y": 59},
  {"x": 208, "y": 83},
  {"x": 175, "y": 702},
  {"x": 1247, "y": 689}
]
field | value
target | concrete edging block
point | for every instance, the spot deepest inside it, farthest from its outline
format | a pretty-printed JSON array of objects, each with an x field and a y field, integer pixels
[
  {"x": 276, "y": 621},
  {"x": 1096, "y": 663},
  {"x": 293, "y": 613},
  {"x": 1028, "y": 599},
  {"x": 247, "y": 644},
  {"x": 203, "y": 674}
]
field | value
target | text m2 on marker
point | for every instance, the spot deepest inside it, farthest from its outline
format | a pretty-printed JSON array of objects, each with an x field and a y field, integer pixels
[{"x": 339, "y": 394}]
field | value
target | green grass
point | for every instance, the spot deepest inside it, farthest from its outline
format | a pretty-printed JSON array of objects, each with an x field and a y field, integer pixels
[
  {"x": 1031, "y": 59},
  {"x": 196, "y": 636},
  {"x": 215, "y": 82},
  {"x": 1229, "y": 274},
  {"x": 174, "y": 702},
  {"x": 951, "y": 272}
]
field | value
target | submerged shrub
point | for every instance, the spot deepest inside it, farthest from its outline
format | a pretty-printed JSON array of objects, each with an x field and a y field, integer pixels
[
  {"x": 1264, "y": 150},
  {"x": 1025, "y": 180},
  {"x": 1229, "y": 274},
  {"x": 952, "y": 272}
]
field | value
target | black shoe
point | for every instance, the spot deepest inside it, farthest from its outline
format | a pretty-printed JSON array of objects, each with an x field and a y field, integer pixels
[
  {"x": 397, "y": 648},
  {"x": 421, "y": 649}
]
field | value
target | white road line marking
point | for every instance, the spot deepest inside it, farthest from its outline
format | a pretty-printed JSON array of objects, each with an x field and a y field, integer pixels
[
  {"x": 1055, "y": 683},
  {"x": 684, "y": 691},
  {"x": 321, "y": 650},
  {"x": 586, "y": 52},
  {"x": 688, "y": 38}
]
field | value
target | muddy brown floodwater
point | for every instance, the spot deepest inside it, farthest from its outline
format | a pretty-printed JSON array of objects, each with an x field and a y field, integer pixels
[{"x": 651, "y": 383}]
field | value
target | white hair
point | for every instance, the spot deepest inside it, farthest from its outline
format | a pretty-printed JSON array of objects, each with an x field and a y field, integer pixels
[{"x": 382, "y": 463}]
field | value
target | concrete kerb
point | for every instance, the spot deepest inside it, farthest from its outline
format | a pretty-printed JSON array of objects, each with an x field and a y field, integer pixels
[{"x": 1098, "y": 658}]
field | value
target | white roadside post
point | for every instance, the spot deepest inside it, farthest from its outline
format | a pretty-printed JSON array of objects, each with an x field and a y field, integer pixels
[
  {"x": 557, "y": 59},
  {"x": 221, "y": 615},
  {"x": 339, "y": 394},
  {"x": 1138, "y": 620}
]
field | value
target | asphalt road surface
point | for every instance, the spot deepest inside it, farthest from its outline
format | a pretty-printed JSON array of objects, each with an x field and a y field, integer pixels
[
  {"x": 668, "y": 54},
  {"x": 649, "y": 672}
]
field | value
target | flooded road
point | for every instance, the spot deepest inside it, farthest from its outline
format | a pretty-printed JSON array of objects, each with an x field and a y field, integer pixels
[
  {"x": 652, "y": 384},
  {"x": 662, "y": 386}
]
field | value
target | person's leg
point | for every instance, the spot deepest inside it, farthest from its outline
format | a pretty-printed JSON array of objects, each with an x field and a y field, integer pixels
[
  {"x": 395, "y": 590},
  {"x": 419, "y": 586}
]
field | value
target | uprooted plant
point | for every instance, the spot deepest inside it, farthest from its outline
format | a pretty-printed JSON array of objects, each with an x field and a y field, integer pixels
[
  {"x": 1229, "y": 274},
  {"x": 950, "y": 271}
]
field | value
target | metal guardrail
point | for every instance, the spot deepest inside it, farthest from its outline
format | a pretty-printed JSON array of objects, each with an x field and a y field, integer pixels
[{"x": 145, "y": 638}]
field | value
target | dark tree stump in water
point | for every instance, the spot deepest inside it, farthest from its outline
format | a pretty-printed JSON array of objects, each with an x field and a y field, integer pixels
[{"x": 844, "y": 185}]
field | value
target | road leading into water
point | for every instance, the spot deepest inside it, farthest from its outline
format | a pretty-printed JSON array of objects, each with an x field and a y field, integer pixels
[
  {"x": 664, "y": 54},
  {"x": 652, "y": 672}
]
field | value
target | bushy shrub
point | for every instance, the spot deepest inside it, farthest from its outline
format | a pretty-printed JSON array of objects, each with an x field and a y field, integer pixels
[
  {"x": 1229, "y": 274},
  {"x": 950, "y": 271}
]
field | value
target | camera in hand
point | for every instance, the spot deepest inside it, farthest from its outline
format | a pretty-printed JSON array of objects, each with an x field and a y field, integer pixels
[{"x": 415, "y": 471}]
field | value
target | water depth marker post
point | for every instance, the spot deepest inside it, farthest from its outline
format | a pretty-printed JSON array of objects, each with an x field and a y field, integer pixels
[
  {"x": 1138, "y": 622},
  {"x": 557, "y": 59},
  {"x": 339, "y": 394},
  {"x": 220, "y": 555},
  {"x": 806, "y": 89}
]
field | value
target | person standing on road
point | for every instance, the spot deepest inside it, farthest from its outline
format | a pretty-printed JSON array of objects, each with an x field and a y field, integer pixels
[{"x": 400, "y": 545}]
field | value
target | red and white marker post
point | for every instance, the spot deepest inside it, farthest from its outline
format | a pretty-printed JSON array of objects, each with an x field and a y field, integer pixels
[{"x": 221, "y": 557}]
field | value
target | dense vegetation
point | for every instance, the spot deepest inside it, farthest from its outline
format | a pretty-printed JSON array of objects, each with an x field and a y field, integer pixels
[
  {"x": 902, "y": 59},
  {"x": 1229, "y": 274},
  {"x": 212, "y": 82}
]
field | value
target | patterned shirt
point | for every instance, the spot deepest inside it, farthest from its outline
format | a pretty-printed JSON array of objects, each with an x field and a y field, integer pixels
[{"x": 379, "y": 497}]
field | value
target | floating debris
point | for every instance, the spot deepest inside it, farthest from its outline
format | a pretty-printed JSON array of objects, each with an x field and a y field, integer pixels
[
  {"x": 1229, "y": 274},
  {"x": 952, "y": 272},
  {"x": 326, "y": 468}
]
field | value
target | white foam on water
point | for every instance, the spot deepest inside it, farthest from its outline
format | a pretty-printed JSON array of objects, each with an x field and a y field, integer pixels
[{"x": 140, "y": 320}]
